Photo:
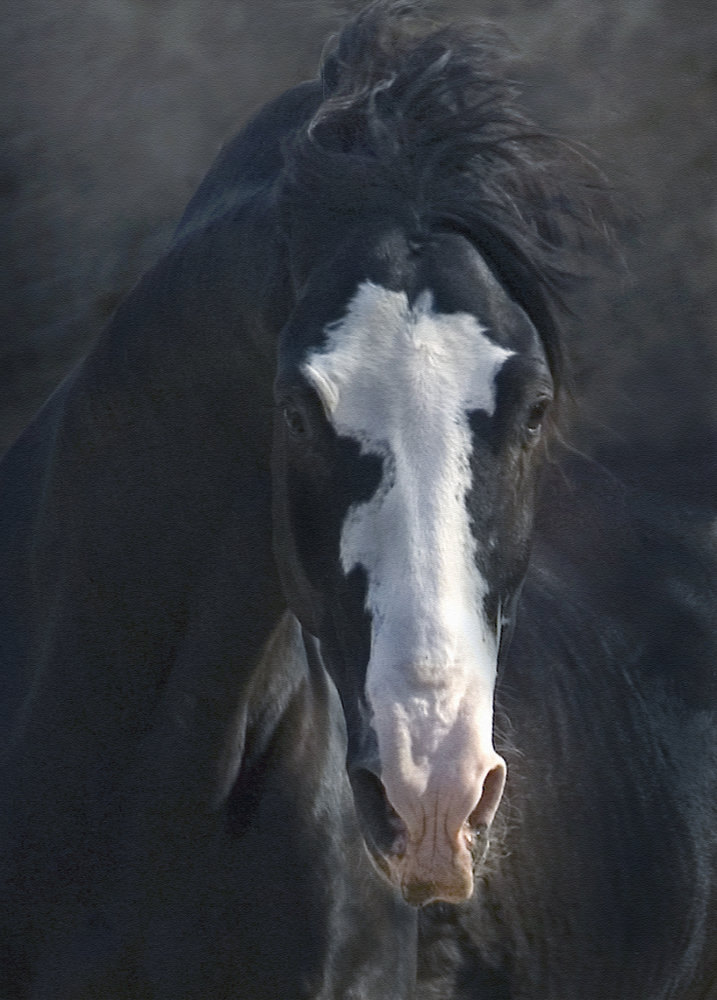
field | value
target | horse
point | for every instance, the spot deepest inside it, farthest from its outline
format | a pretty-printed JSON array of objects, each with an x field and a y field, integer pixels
[{"x": 329, "y": 672}]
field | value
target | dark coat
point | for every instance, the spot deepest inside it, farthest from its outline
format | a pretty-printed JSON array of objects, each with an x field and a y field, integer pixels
[{"x": 175, "y": 816}]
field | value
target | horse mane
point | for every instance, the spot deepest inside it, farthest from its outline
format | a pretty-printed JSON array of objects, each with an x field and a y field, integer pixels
[{"x": 421, "y": 119}]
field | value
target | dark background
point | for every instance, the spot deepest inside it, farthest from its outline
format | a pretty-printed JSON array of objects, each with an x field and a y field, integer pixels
[{"x": 112, "y": 110}]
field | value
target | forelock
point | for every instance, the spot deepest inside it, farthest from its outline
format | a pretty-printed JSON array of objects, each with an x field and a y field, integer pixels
[{"x": 421, "y": 120}]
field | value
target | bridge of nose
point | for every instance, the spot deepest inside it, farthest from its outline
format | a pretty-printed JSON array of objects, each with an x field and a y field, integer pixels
[{"x": 434, "y": 760}]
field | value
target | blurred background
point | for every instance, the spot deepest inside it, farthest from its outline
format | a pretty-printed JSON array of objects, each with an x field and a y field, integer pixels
[{"x": 112, "y": 110}]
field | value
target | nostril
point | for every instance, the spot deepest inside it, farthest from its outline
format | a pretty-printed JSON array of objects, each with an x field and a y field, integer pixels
[
  {"x": 380, "y": 822},
  {"x": 478, "y": 842},
  {"x": 491, "y": 794}
]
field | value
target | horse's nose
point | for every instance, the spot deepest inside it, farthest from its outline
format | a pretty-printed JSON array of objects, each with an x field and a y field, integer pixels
[
  {"x": 432, "y": 714},
  {"x": 446, "y": 834},
  {"x": 484, "y": 812}
]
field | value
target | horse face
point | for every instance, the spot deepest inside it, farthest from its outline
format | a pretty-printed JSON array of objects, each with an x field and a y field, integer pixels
[{"x": 404, "y": 470}]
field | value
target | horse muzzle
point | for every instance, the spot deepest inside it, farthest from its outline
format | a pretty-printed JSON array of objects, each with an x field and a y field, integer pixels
[{"x": 432, "y": 856}]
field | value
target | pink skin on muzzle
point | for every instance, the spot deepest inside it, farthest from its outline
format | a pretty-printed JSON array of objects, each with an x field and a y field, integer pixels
[{"x": 444, "y": 780}]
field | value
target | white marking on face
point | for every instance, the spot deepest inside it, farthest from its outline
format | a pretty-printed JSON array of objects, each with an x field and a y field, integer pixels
[{"x": 402, "y": 380}]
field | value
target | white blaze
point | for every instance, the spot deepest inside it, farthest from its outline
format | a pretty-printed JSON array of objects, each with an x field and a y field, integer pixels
[{"x": 401, "y": 380}]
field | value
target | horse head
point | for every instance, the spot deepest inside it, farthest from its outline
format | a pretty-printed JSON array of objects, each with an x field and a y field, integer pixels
[
  {"x": 410, "y": 398},
  {"x": 422, "y": 222}
]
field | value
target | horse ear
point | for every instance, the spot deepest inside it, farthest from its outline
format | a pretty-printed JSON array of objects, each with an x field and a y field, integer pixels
[{"x": 329, "y": 72}]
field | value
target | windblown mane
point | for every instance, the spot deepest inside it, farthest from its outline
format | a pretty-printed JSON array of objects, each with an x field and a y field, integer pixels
[{"x": 420, "y": 120}]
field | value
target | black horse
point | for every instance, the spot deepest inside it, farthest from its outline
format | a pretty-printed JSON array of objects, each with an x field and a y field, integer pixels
[{"x": 262, "y": 557}]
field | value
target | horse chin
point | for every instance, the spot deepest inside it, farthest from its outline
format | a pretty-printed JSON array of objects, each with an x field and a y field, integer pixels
[{"x": 403, "y": 872}]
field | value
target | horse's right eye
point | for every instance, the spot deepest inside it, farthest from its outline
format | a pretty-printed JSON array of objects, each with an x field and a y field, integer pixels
[
  {"x": 295, "y": 421},
  {"x": 534, "y": 423}
]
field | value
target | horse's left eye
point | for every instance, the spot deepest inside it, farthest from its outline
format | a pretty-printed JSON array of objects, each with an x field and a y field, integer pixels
[
  {"x": 295, "y": 421},
  {"x": 536, "y": 414}
]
